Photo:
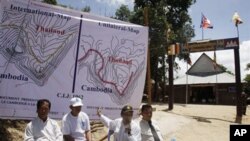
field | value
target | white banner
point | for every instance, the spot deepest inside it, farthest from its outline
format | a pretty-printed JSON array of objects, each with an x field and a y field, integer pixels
[{"x": 53, "y": 53}]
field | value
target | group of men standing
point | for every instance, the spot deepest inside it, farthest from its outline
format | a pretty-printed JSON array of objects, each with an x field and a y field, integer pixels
[
  {"x": 76, "y": 125},
  {"x": 127, "y": 129}
]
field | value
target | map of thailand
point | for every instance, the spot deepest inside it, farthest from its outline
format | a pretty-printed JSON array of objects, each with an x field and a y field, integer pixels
[
  {"x": 35, "y": 41},
  {"x": 116, "y": 66}
]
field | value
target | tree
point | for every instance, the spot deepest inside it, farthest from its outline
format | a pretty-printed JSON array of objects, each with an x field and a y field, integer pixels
[
  {"x": 66, "y": 6},
  {"x": 248, "y": 66},
  {"x": 86, "y": 9},
  {"x": 246, "y": 87},
  {"x": 123, "y": 13},
  {"x": 53, "y": 2},
  {"x": 225, "y": 69},
  {"x": 164, "y": 15}
]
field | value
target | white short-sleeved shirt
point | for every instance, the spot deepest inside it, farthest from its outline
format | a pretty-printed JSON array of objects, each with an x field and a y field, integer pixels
[
  {"x": 37, "y": 130},
  {"x": 146, "y": 132},
  {"x": 76, "y": 126},
  {"x": 118, "y": 128}
]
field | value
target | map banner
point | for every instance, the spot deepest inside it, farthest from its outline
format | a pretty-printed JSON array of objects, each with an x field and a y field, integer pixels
[{"x": 55, "y": 53}]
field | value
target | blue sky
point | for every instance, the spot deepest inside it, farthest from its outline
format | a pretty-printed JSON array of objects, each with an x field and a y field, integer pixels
[
  {"x": 219, "y": 12},
  {"x": 99, "y": 7}
]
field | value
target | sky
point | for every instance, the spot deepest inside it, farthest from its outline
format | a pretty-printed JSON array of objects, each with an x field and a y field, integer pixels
[
  {"x": 99, "y": 7},
  {"x": 219, "y": 12}
]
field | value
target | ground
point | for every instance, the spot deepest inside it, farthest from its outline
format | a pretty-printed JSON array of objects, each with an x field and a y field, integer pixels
[
  {"x": 184, "y": 122},
  {"x": 197, "y": 122}
]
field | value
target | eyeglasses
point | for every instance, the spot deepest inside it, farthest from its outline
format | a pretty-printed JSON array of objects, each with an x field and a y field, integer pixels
[{"x": 129, "y": 114}]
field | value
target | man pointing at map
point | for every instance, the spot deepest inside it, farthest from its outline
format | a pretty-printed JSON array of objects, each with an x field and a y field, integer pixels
[{"x": 123, "y": 129}]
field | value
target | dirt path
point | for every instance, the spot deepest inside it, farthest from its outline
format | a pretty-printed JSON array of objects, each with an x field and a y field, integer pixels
[{"x": 197, "y": 122}]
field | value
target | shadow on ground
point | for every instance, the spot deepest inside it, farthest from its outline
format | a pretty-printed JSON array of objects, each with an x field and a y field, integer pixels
[{"x": 199, "y": 118}]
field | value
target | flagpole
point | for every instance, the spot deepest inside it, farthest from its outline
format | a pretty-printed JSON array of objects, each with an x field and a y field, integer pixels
[
  {"x": 205, "y": 23},
  {"x": 216, "y": 77},
  {"x": 216, "y": 94},
  {"x": 238, "y": 35},
  {"x": 202, "y": 30},
  {"x": 187, "y": 85},
  {"x": 202, "y": 33}
]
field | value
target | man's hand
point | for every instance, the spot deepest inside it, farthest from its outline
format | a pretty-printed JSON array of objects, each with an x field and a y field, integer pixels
[{"x": 99, "y": 112}]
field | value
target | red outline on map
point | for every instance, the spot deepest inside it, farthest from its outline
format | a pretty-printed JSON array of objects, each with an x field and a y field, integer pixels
[{"x": 98, "y": 74}]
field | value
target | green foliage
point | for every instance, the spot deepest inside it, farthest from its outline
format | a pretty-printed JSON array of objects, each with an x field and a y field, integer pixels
[
  {"x": 64, "y": 6},
  {"x": 123, "y": 13},
  {"x": 248, "y": 66},
  {"x": 225, "y": 69},
  {"x": 86, "y": 9},
  {"x": 53, "y": 2},
  {"x": 168, "y": 23},
  {"x": 246, "y": 87},
  {"x": 247, "y": 78}
]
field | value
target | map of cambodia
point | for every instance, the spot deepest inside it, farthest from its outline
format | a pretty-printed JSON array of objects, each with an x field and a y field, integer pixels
[
  {"x": 35, "y": 41},
  {"x": 116, "y": 66}
]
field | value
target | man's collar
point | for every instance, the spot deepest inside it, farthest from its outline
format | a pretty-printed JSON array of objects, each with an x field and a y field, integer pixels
[{"x": 42, "y": 120}]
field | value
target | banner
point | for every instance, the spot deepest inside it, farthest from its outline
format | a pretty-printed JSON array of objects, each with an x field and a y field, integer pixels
[
  {"x": 212, "y": 45},
  {"x": 55, "y": 53}
]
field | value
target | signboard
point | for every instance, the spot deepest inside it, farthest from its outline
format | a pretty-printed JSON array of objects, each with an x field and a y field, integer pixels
[
  {"x": 48, "y": 52},
  {"x": 211, "y": 45}
]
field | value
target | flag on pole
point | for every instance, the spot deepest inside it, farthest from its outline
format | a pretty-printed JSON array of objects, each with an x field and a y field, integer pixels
[
  {"x": 205, "y": 22},
  {"x": 236, "y": 18}
]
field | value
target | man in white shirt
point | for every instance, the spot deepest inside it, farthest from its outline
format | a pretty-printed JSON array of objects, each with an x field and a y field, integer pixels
[
  {"x": 76, "y": 124},
  {"x": 150, "y": 130},
  {"x": 42, "y": 128},
  {"x": 123, "y": 129}
]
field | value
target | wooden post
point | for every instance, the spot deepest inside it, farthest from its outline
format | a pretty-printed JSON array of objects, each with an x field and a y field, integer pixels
[
  {"x": 171, "y": 78},
  {"x": 239, "y": 106},
  {"x": 148, "y": 60},
  {"x": 238, "y": 84}
]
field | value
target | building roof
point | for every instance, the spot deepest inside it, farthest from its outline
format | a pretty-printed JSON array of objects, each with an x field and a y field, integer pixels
[
  {"x": 204, "y": 66},
  {"x": 205, "y": 71}
]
